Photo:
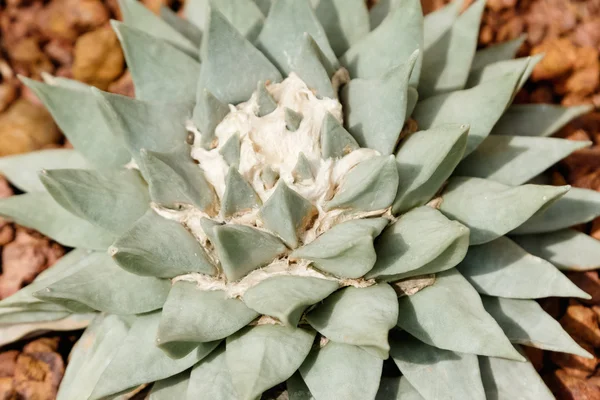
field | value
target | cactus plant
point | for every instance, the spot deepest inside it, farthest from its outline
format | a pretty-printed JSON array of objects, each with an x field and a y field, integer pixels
[{"x": 310, "y": 196}]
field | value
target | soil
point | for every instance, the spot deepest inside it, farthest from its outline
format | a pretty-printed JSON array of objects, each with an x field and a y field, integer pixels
[{"x": 72, "y": 38}]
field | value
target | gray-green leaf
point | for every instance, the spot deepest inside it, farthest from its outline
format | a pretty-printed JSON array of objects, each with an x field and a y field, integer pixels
[
  {"x": 211, "y": 379},
  {"x": 345, "y": 22},
  {"x": 174, "y": 387}
]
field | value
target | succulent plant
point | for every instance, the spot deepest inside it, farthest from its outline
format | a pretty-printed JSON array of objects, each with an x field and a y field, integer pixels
[{"x": 307, "y": 196}]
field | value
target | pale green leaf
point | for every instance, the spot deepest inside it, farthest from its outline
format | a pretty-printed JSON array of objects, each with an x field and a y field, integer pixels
[
  {"x": 577, "y": 206},
  {"x": 345, "y": 22},
  {"x": 239, "y": 195},
  {"x": 524, "y": 65},
  {"x": 192, "y": 314},
  {"x": 140, "y": 345},
  {"x": 436, "y": 373},
  {"x": 313, "y": 68},
  {"x": 12, "y": 316},
  {"x": 525, "y": 322},
  {"x": 100, "y": 284},
  {"x": 371, "y": 185},
  {"x": 136, "y": 15},
  {"x": 286, "y": 213},
  {"x": 287, "y": 297},
  {"x": 390, "y": 44},
  {"x": 514, "y": 160},
  {"x": 437, "y": 23},
  {"x": 110, "y": 199},
  {"x": 345, "y": 250},
  {"x": 231, "y": 64},
  {"x": 397, "y": 389},
  {"x": 422, "y": 241},
  {"x": 358, "y": 316},
  {"x": 537, "y": 119},
  {"x": 152, "y": 60},
  {"x": 54, "y": 221},
  {"x": 375, "y": 109},
  {"x": 336, "y": 141},
  {"x": 174, "y": 181},
  {"x": 262, "y": 356},
  {"x": 567, "y": 249},
  {"x": 207, "y": 114},
  {"x": 242, "y": 249},
  {"x": 425, "y": 160},
  {"x": 479, "y": 107},
  {"x": 281, "y": 36},
  {"x": 341, "y": 371},
  {"x": 211, "y": 379},
  {"x": 174, "y": 387},
  {"x": 460, "y": 325},
  {"x": 182, "y": 25},
  {"x": 297, "y": 389},
  {"x": 91, "y": 355},
  {"x": 86, "y": 129},
  {"x": 266, "y": 102},
  {"x": 502, "y": 268},
  {"x": 244, "y": 15},
  {"x": 231, "y": 150},
  {"x": 147, "y": 249},
  {"x": 490, "y": 209},
  {"x": 447, "y": 61},
  {"x": 22, "y": 169},
  {"x": 293, "y": 119},
  {"x": 509, "y": 380},
  {"x": 497, "y": 52}
]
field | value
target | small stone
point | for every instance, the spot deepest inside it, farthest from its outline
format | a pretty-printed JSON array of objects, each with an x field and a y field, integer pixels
[
  {"x": 575, "y": 365},
  {"x": 567, "y": 387},
  {"x": 581, "y": 323},
  {"x": 560, "y": 58},
  {"x": 589, "y": 283}
]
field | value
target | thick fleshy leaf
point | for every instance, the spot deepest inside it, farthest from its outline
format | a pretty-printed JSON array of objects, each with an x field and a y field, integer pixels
[
  {"x": 281, "y": 36},
  {"x": 436, "y": 373},
  {"x": 524, "y": 65},
  {"x": 86, "y": 129},
  {"x": 149, "y": 59},
  {"x": 369, "y": 186},
  {"x": 102, "y": 285},
  {"x": 375, "y": 109},
  {"x": 425, "y": 160},
  {"x": 242, "y": 249},
  {"x": 341, "y": 371},
  {"x": 514, "y": 160},
  {"x": 13, "y": 333},
  {"x": 297, "y": 389},
  {"x": 286, "y": 213},
  {"x": 490, "y": 209},
  {"x": 497, "y": 52},
  {"x": 302, "y": 169},
  {"x": 313, "y": 68},
  {"x": 358, "y": 316},
  {"x": 72, "y": 262},
  {"x": 447, "y": 61},
  {"x": 437, "y": 23},
  {"x": 231, "y": 64},
  {"x": 293, "y": 119},
  {"x": 266, "y": 102},
  {"x": 287, "y": 297},
  {"x": 211, "y": 379},
  {"x": 397, "y": 389},
  {"x": 182, "y": 25},
  {"x": 345, "y": 250},
  {"x": 174, "y": 387},
  {"x": 480, "y": 107},
  {"x": 262, "y": 356},
  {"x": 244, "y": 15},
  {"x": 461, "y": 325},
  {"x": 91, "y": 355},
  {"x": 231, "y": 150},
  {"x": 502, "y": 268},
  {"x": 175, "y": 180},
  {"x": 12, "y": 316},
  {"x": 516, "y": 262},
  {"x": 390, "y": 44},
  {"x": 137, "y": 16},
  {"x": 336, "y": 141},
  {"x": 345, "y": 22},
  {"x": 192, "y": 314},
  {"x": 263, "y": 5},
  {"x": 146, "y": 125},
  {"x": 239, "y": 195},
  {"x": 578, "y": 206},
  {"x": 422, "y": 241},
  {"x": 22, "y": 169},
  {"x": 147, "y": 249},
  {"x": 537, "y": 119},
  {"x": 207, "y": 114},
  {"x": 509, "y": 380},
  {"x": 525, "y": 322},
  {"x": 112, "y": 200},
  {"x": 54, "y": 221},
  {"x": 140, "y": 345},
  {"x": 568, "y": 249}
]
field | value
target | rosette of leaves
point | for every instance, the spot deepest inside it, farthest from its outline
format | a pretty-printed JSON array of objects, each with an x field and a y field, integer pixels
[{"x": 308, "y": 196}]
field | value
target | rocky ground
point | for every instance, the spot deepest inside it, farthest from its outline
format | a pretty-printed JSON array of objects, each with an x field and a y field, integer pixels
[{"x": 72, "y": 38}]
